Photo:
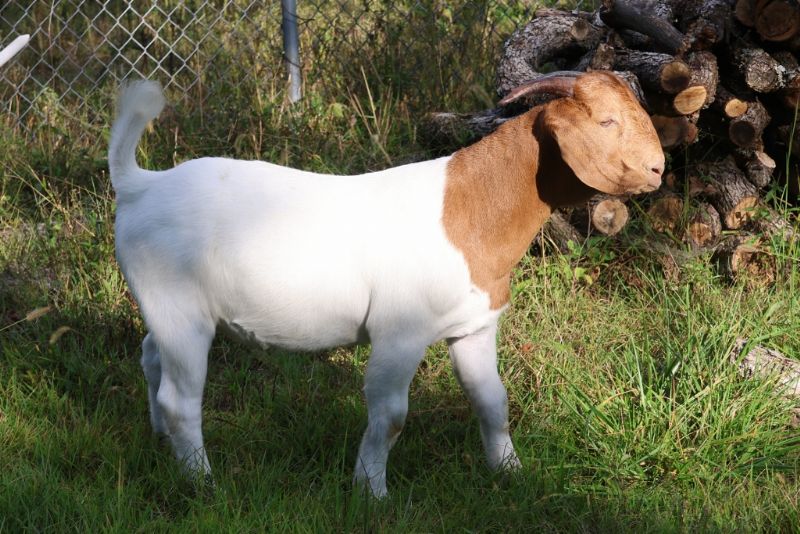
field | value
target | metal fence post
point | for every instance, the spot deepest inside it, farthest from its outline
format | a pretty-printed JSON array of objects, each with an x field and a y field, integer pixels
[{"x": 291, "y": 48}]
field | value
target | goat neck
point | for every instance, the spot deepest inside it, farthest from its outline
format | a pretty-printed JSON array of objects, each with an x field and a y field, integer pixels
[{"x": 498, "y": 194}]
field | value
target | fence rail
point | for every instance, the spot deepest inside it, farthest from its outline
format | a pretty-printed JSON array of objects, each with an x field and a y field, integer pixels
[{"x": 80, "y": 50}]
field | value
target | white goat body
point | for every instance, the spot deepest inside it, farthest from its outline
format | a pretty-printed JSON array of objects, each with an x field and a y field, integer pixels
[
  {"x": 400, "y": 258},
  {"x": 295, "y": 259}
]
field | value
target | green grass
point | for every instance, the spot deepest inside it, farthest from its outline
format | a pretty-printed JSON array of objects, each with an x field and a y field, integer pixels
[{"x": 625, "y": 411}]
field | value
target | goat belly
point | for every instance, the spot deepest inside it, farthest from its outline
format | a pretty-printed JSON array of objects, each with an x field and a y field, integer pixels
[{"x": 293, "y": 337}]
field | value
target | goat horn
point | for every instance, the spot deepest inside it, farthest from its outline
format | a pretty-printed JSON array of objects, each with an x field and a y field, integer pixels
[{"x": 556, "y": 83}]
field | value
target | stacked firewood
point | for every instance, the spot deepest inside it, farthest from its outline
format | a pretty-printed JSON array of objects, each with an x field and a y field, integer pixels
[{"x": 721, "y": 81}]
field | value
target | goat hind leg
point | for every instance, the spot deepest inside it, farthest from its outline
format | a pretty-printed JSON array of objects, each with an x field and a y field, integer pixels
[
  {"x": 184, "y": 361},
  {"x": 151, "y": 365}
]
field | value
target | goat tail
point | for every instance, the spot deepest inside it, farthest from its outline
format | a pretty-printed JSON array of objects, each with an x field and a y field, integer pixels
[{"x": 138, "y": 103}]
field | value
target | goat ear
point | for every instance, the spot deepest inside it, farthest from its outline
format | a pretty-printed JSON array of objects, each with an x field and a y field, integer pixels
[{"x": 584, "y": 144}]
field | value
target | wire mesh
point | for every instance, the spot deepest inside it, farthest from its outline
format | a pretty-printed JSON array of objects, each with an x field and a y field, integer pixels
[{"x": 429, "y": 52}]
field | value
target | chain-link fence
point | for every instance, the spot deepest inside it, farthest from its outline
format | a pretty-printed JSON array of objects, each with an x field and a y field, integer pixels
[{"x": 79, "y": 50}]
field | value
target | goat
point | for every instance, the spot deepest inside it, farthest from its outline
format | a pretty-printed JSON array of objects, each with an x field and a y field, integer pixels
[{"x": 399, "y": 258}]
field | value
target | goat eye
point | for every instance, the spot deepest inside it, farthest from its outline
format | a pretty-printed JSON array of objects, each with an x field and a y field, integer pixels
[{"x": 608, "y": 122}]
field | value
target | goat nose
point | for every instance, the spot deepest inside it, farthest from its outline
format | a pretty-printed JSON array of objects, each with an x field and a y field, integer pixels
[
  {"x": 654, "y": 178},
  {"x": 657, "y": 169}
]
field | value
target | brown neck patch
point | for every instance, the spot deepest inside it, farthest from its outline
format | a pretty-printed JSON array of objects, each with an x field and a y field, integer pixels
[{"x": 498, "y": 194}]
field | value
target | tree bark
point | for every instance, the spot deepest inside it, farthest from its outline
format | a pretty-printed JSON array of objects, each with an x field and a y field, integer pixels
[
  {"x": 745, "y": 12},
  {"x": 729, "y": 104},
  {"x": 746, "y": 129},
  {"x": 758, "y": 166},
  {"x": 777, "y": 20},
  {"x": 674, "y": 131},
  {"x": 790, "y": 94},
  {"x": 454, "y": 130},
  {"x": 659, "y": 72},
  {"x": 768, "y": 364},
  {"x": 543, "y": 40},
  {"x": 706, "y": 22},
  {"x": 760, "y": 71},
  {"x": 601, "y": 58},
  {"x": 743, "y": 256},
  {"x": 624, "y": 14},
  {"x": 735, "y": 196},
  {"x": 790, "y": 138},
  {"x": 559, "y": 232},
  {"x": 665, "y": 213},
  {"x": 704, "y": 226},
  {"x": 705, "y": 73}
]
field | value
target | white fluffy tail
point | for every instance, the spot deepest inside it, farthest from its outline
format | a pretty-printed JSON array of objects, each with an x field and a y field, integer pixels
[{"x": 137, "y": 104}]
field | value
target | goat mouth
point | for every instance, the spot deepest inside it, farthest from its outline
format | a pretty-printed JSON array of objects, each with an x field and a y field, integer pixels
[{"x": 648, "y": 188}]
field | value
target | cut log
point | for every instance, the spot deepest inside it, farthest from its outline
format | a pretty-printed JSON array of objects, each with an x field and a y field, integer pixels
[
  {"x": 745, "y": 12},
  {"x": 453, "y": 130},
  {"x": 661, "y": 9},
  {"x": 770, "y": 224},
  {"x": 739, "y": 256},
  {"x": 758, "y": 166},
  {"x": 665, "y": 213},
  {"x": 609, "y": 216},
  {"x": 552, "y": 12},
  {"x": 698, "y": 184},
  {"x": 670, "y": 180},
  {"x": 759, "y": 70},
  {"x": 601, "y": 58},
  {"x": 660, "y": 72},
  {"x": 544, "y": 40},
  {"x": 603, "y": 214},
  {"x": 674, "y": 131},
  {"x": 746, "y": 129},
  {"x": 704, "y": 226},
  {"x": 559, "y": 232},
  {"x": 704, "y": 73},
  {"x": 777, "y": 20},
  {"x": 735, "y": 197},
  {"x": 729, "y": 104},
  {"x": 690, "y": 100},
  {"x": 790, "y": 94},
  {"x": 624, "y": 14},
  {"x": 762, "y": 363},
  {"x": 790, "y": 138},
  {"x": 706, "y": 22}
]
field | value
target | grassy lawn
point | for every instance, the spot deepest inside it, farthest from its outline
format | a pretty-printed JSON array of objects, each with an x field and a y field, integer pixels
[{"x": 626, "y": 413}]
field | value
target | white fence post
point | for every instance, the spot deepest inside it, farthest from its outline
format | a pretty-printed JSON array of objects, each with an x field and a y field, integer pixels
[{"x": 12, "y": 49}]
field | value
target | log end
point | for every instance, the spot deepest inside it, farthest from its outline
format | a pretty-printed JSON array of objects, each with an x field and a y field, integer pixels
[
  {"x": 742, "y": 212},
  {"x": 610, "y": 216},
  {"x": 734, "y": 108},
  {"x": 690, "y": 99},
  {"x": 777, "y": 21},
  {"x": 675, "y": 77},
  {"x": 665, "y": 213}
]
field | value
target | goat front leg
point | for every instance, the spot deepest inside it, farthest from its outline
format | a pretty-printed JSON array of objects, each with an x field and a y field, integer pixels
[
  {"x": 474, "y": 360},
  {"x": 389, "y": 373}
]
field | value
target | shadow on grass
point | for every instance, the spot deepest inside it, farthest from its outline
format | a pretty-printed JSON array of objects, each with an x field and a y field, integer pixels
[{"x": 282, "y": 431}]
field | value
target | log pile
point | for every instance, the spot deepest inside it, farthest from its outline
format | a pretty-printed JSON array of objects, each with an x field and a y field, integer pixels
[{"x": 719, "y": 76}]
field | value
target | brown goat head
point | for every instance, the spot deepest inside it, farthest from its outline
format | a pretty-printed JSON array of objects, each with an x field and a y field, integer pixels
[{"x": 602, "y": 132}]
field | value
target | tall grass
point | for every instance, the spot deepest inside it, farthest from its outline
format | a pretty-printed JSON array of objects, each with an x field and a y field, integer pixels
[{"x": 624, "y": 407}]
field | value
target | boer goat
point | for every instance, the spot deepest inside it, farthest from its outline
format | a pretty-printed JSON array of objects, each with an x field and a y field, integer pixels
[{"x": 399, "y": 258}]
